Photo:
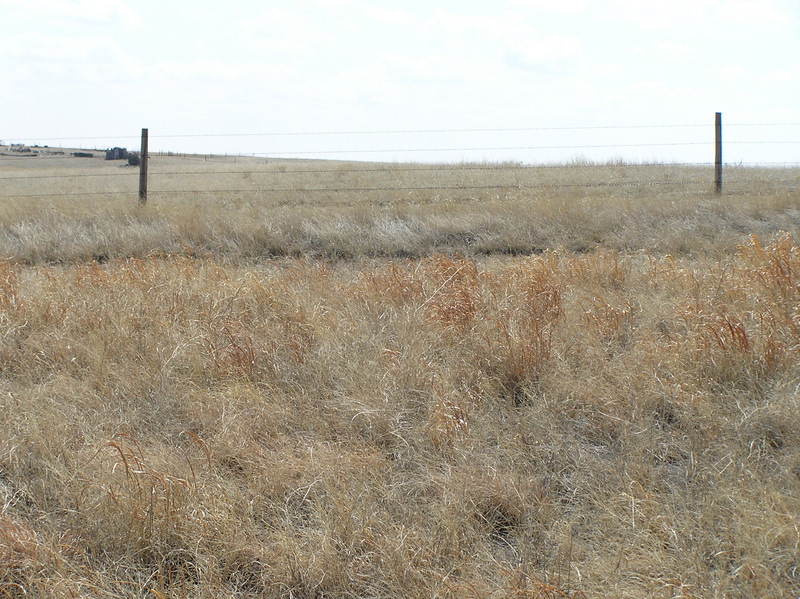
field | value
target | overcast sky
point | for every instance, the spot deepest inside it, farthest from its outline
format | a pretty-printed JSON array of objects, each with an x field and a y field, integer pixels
[{"x": 104, "y": 69}]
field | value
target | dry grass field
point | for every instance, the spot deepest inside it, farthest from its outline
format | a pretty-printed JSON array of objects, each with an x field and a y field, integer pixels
[
  {"x": 243, "y": 208},
  {"x": 519, "y": 383}
]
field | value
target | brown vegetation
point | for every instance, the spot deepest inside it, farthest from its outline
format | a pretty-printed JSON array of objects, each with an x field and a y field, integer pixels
[
  {"x": 185, "y": 418},
  {"x": 253, "y": 209}
]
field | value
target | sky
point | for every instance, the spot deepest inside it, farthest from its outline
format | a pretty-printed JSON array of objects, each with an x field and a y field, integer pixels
[{"x": 533, "y": 81}]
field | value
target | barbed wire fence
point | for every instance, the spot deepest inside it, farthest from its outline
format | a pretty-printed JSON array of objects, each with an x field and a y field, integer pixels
[{"x": 331, "y": 169}]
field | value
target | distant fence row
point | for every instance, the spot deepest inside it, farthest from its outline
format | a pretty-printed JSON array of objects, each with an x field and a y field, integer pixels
[{"x": 351, "y": 168}]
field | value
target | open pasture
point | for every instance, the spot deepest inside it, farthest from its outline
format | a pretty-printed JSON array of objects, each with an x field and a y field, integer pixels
[
  {"x": 522, "y": 383},
  {"x": 246, "y": 208}
]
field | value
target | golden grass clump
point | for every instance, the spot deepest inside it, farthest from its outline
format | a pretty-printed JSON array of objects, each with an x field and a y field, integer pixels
[{"x": 564, "y": 424}]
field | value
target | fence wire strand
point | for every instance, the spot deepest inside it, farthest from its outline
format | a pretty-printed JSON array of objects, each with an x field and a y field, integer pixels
[
  {"x": 401, "y": 131},
  {"x": 398, "y": 169},
  {"x": 405, "y": 188}
]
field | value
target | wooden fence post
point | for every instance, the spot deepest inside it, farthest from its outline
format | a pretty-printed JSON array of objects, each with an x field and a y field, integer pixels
[
  {"x": 718, "y": 152},
  {"x": 143, "y": 170}
]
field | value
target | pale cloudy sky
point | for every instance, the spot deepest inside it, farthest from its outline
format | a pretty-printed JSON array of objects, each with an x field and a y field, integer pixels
[{"x": 106, "y": 68}]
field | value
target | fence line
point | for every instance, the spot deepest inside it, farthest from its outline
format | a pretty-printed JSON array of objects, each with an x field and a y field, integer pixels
[
  {"x": 510, "y": 186},
  {"x": 277, "y": 154},
  {"x": 399, "y": 131},
  {"x": 391, "y": 168},
  {"x": 399, "y": 169},
  {"x": 405, "y": 188},
  {"x": 388, "y": 168}
]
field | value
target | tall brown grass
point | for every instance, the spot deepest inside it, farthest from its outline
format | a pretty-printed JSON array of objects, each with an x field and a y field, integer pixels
[{"x": 564, "y": 424}]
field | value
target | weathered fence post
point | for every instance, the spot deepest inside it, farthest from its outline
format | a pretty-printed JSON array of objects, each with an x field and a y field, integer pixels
[
  {"x": 718, "y": 152},
  {"x": 143, "y": 170}
]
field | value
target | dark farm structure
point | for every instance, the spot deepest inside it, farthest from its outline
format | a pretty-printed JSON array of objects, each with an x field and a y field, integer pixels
[{"x": 117, "y": 154}]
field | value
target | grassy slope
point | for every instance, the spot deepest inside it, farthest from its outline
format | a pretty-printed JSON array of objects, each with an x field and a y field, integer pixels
[{"x": 605, "y": 422}]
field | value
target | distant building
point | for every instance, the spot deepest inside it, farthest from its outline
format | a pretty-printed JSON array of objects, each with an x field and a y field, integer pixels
[{"x": 117, "y": 154}]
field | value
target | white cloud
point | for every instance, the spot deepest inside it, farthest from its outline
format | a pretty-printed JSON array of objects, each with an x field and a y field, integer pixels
[
  {"x": 734, "y": 71},
  {"x": 289, "y": 33},
  {"x": 55, "y": 47},
  {"x": 565, "y": 7},
  {"x": 381, "y": 15},
  {"x": 92, "y": 11},
  {"x": 375, "y": 64},
  {"x": 68, "y": 58},
  {"x": 449, "y": 23},
  {"x": 662, "y": 15},
  {"x": 766, "y": 12},
  {"x": 676, "y": 52},
  {"x": 789, "y": 75},
  {"x": 548, "y": 51},
  {"x": 505, "y": 40},
  {"x": 339, "y": 4},
  {"x": 708, "y": 16},
  {"x": 298, "y": 30}
]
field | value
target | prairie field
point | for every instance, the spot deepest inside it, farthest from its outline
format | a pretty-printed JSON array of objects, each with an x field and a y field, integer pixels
[
  {"x": 238, "y": 209},
  {"x": 322, "y": 379}
]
